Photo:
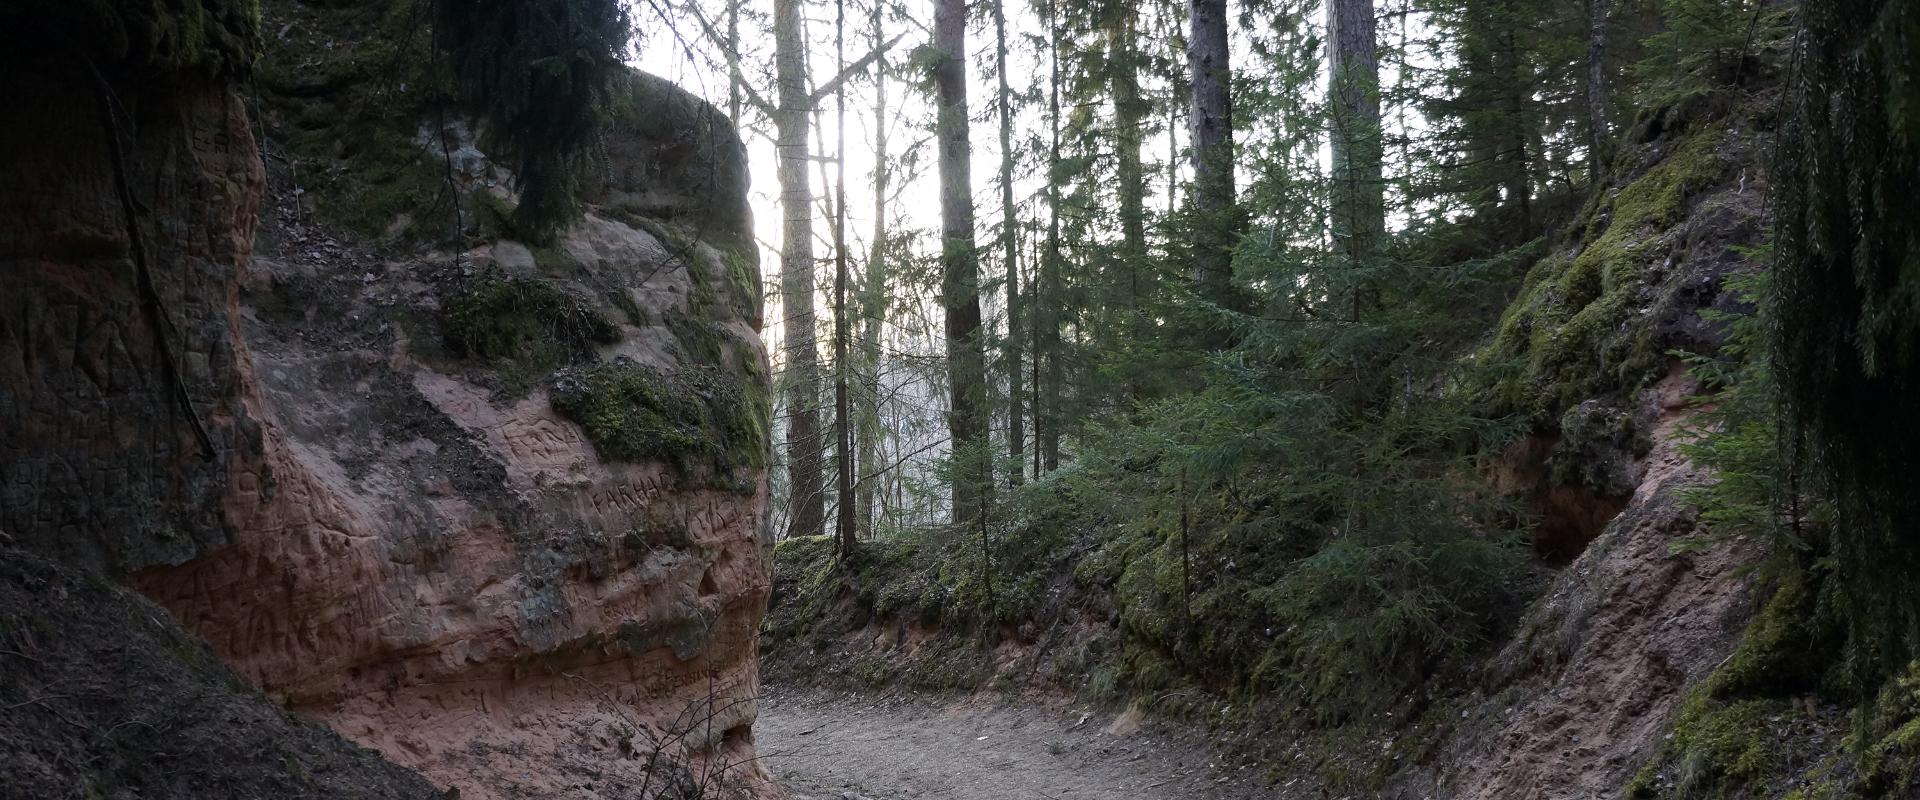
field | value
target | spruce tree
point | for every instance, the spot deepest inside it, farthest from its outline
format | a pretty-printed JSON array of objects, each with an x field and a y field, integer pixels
[
  {"x": 960, "y": 268},
  {"x": 538, "y": 73},
  {"x": 1845, "y": 304}
]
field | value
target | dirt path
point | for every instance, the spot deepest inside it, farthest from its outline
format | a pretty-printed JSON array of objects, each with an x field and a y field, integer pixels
[{"x": 825, "y": 746}]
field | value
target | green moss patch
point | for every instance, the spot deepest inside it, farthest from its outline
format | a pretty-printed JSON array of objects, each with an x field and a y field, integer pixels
[
  {"x": 1757, "y": 724},
  {"x": 1572, "y": 329},
  {"x": 345, "y": 90},
  {"x": 693, "y": 419},
  {"x": 522, "y": 318}
]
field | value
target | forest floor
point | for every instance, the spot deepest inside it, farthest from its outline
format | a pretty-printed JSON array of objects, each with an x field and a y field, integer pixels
[{"x": 833, "y": 745}]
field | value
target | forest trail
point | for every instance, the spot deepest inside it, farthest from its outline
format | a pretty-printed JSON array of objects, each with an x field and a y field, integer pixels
[{"x": 829, "y": 746}]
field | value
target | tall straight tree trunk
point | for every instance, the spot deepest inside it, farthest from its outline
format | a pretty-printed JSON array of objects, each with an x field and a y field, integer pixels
[
  {"x": 874, "y": 292},
  {"x": 1518, "y": 175},
  {"x": 1123, "y": 76},
  {"x": 960, "y": 269},
  {"x": 1010, "y": 250},
  {"x": 1046, "y": 294},
  {"x": 1358, "y": 195},
  {"x": 1173, "y": 151},
  {"x": 1597, "y": 116},
  {"x": 846, "y": 529},
  {"x": 1211, "y": 134},
  {"x": 733, "y": 62},
  {"x": 806, "y": 479}
]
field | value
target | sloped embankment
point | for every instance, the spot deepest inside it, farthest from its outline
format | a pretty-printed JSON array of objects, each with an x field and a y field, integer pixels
[{"x": 105, "y": 696}]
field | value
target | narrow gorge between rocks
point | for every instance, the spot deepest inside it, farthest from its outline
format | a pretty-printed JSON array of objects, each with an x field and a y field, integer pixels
[{"x": 948, "y": 400}]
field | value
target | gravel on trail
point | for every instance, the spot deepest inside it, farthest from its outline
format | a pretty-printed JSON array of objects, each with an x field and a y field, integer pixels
[{"x": 837, "y": 746}]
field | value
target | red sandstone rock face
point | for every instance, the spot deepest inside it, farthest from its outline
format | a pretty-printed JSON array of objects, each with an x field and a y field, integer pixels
[
  {"x": 383, "y": 536},
  {"x": 449, "y": 572},
  {"x": 108, "y": 363}
]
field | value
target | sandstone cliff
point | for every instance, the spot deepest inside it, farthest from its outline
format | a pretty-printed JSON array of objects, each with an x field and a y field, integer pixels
[{"x": 494, "y": 510}]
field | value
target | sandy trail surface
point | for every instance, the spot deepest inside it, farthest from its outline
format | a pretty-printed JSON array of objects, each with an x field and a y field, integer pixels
[{"x": 829, "y": 746}]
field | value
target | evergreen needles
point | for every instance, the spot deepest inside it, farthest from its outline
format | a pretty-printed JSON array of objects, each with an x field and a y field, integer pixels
[{"x": 537, "y": 73}]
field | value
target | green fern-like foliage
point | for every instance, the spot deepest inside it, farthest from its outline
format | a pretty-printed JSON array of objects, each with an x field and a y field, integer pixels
[
  {"x": 1846, "y": 299},
  {"x": 537, "y": 72}
]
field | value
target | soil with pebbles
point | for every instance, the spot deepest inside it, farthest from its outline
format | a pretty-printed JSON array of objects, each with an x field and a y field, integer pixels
[{"x": 837, "y": 746}]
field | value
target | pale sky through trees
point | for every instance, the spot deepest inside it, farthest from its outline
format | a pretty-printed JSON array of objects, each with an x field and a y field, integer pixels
[
  {"x": 664, "y": 53},
  {"x": 677, "y": 52},
  {"x": 671, "y": 44}
]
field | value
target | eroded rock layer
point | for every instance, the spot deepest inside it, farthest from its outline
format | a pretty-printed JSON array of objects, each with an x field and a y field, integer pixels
[{"x": 495, "y": 510}]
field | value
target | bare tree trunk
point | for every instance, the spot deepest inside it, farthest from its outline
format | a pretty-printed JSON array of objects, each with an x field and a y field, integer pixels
[
  {"x": 1358, "y": 200},
  {"x": 874, "y": 292},
  {"x": 806, "y": 480},
  {"x": 733, "y": 62},
  {"x": 960, "y": 283},
  {"x": 1519, "y": 174},
  {"x": 1046, "y": 337},
  {"x": 1211, "y": 132},
  {"x": 1010, "y": 249},
  {"x": 1123, "y": 76},
  {"x": 846, "y": 529},
  {"x": 1597, "y": 116},
  {"x": 1173, "y": 152}
]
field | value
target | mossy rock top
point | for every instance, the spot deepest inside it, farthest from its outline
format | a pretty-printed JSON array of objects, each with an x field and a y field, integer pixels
[
  {"x": 1576, "y": 327},
  {"x": 220, "y": 37},
  {"x": 698, "y": 419}
]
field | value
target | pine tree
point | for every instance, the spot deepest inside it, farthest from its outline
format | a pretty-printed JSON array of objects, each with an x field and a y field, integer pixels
[
  {"x": 1211, "y": 134},
  {"x": 806, "y": 468},
  {"x": 1049, "y": 377},
  {"x": 1358, "y": 203},
  {"x": 846, "y": 525},
  {"x": 960, "y": 282},
  {"x": 1010, "y": 256},
  {"x": 874, "y": 301},
  {"x": 1599, "y": 137}
]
